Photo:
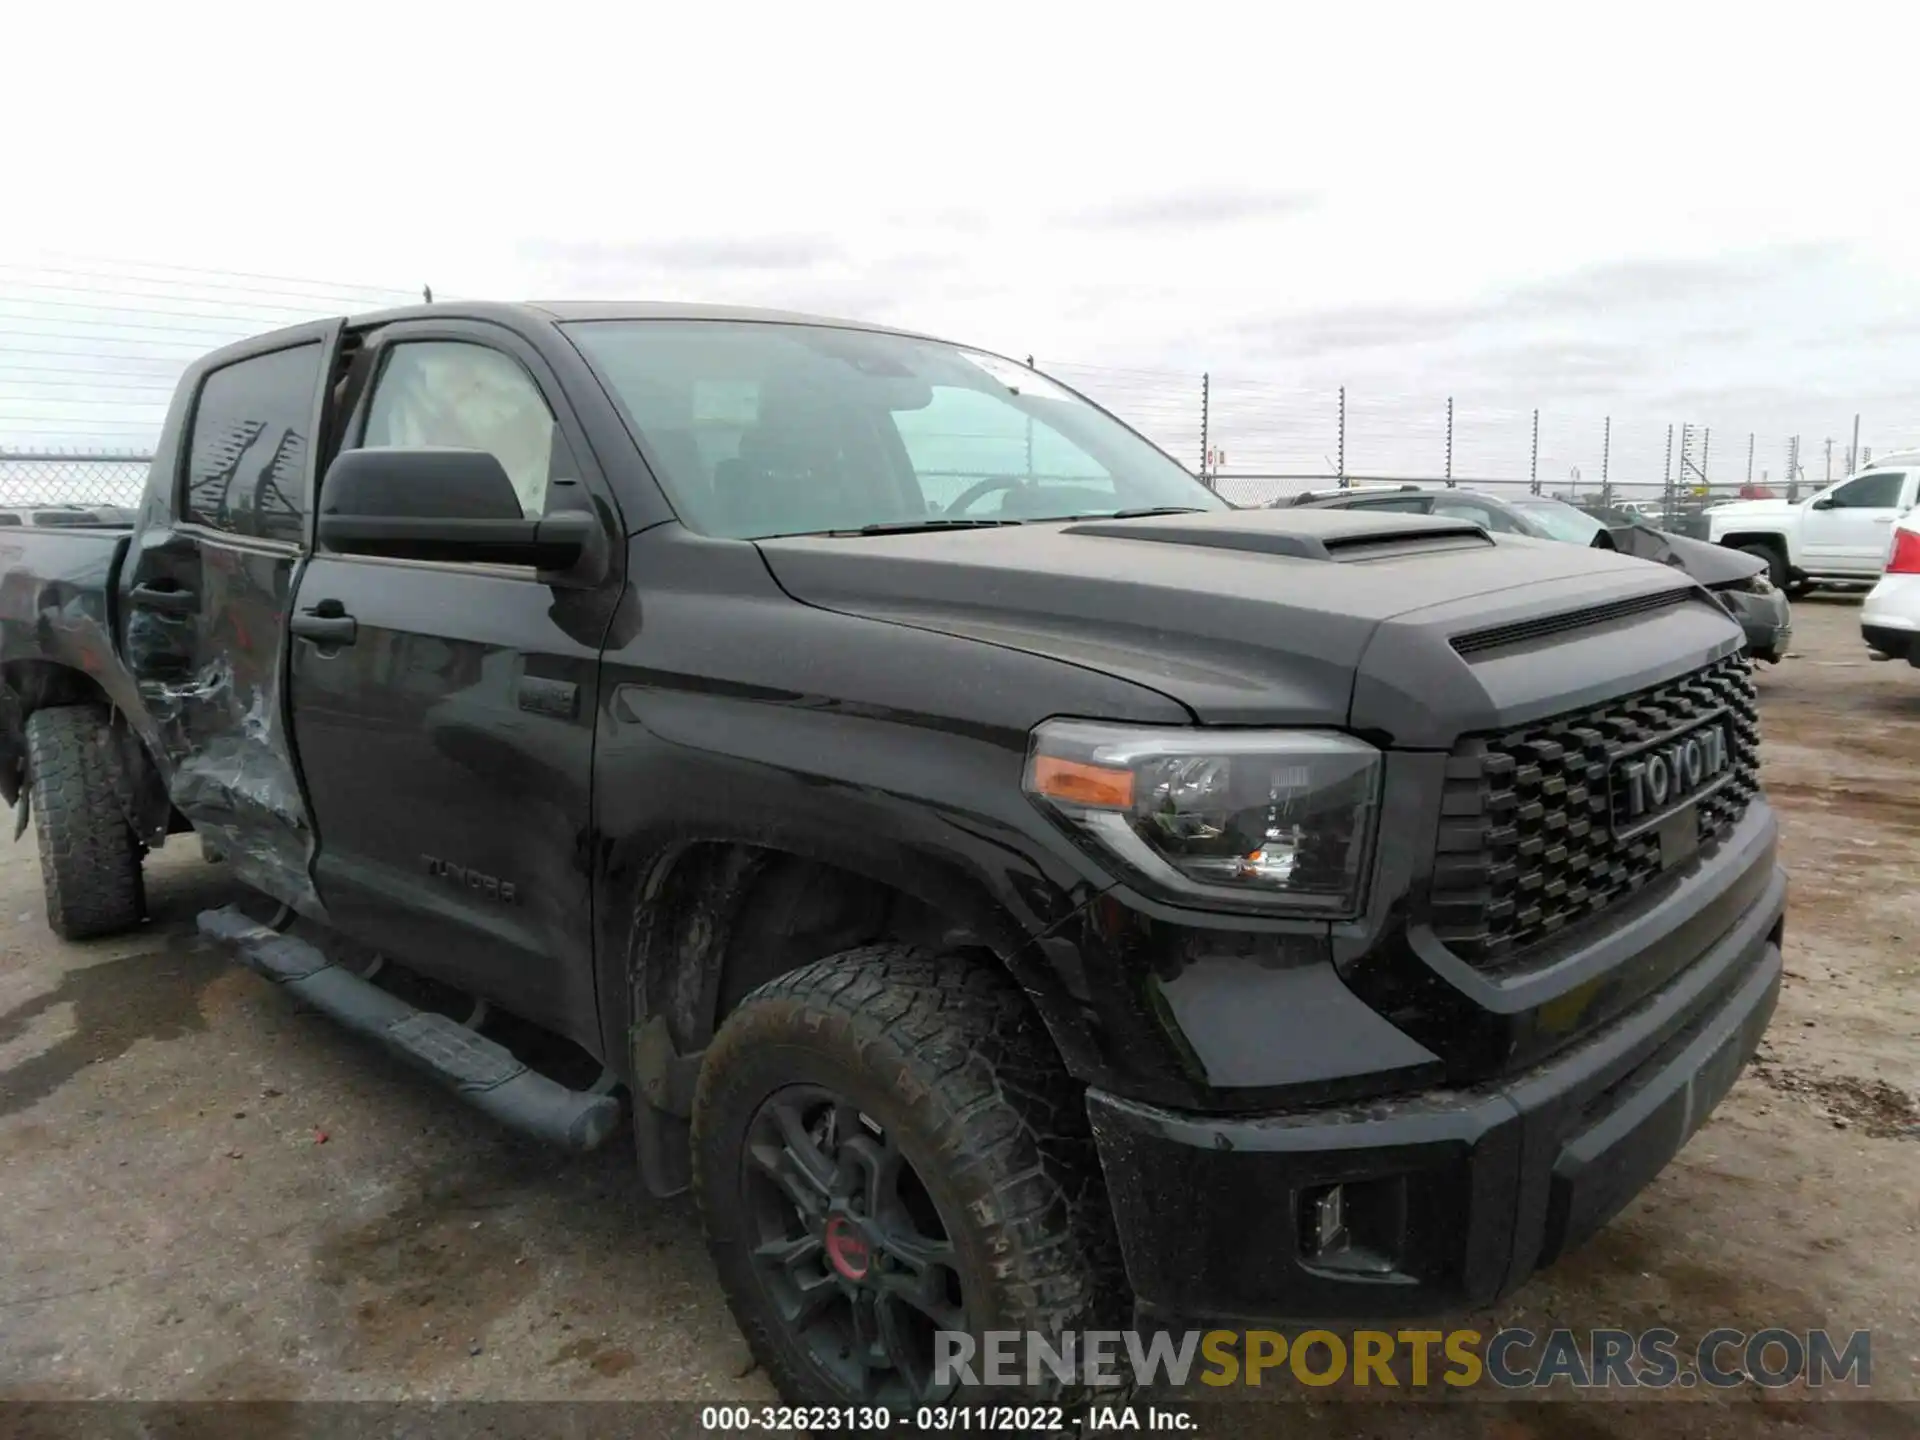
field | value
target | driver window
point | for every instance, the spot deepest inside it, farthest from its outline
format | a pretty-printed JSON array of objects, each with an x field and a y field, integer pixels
[
  {"x": 452, "y": 393},
  {"x": 967, "y": 445},
  {"x": 1870, "y": 492}
]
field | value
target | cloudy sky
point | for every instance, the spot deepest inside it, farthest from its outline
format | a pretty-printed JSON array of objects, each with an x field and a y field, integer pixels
[{"x": 1666, "y": 214}]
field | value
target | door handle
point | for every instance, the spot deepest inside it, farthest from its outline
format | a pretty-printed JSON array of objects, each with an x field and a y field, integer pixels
[
  {"x": 326, "y": 624},
  {"x": 170, "y": 602}
]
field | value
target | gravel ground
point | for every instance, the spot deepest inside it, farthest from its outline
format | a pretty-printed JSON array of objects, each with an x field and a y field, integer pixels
[{"x": 209, "y": 1194}]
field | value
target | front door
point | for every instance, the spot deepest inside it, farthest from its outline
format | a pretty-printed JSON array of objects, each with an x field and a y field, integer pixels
[
  {"x": 203, "y": 603},
  {"x": 444, "y": 712},
  {"x": 1847, "y": 530}
]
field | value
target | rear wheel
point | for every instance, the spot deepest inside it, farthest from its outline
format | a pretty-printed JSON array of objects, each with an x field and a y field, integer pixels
[
  {"x": 886, "y": 1147},
  {"x": 89, "y": 857}
]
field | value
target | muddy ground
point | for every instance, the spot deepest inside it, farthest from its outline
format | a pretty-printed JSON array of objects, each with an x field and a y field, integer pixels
[{"x": 207, "y": 1193}]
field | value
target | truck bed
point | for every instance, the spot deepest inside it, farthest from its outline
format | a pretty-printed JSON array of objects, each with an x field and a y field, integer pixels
[{"x": 57, "y": 603}]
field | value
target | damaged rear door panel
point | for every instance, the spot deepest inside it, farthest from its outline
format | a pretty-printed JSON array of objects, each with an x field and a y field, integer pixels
[{"x": 204, "y": 598}]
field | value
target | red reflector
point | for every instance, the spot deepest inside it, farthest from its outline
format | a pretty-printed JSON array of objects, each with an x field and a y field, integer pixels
[{"x": 1905, "y": 559}]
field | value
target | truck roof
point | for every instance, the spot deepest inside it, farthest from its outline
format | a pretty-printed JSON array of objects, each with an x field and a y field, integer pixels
[
  {"x": 539, "y": 313},
  {"x": 565, "y": 310}
]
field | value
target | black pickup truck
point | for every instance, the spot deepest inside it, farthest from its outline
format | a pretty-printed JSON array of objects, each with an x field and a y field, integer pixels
[{"x": 1002, "y": 880}]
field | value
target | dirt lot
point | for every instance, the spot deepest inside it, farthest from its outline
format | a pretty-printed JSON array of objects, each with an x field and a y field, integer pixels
[{"x": 206, "y": 1193}]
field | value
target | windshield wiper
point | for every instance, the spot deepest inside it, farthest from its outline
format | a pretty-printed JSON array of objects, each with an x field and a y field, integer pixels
[
  {"x": 1139, "y": 514},
  {"x": 907, "y": 527}
]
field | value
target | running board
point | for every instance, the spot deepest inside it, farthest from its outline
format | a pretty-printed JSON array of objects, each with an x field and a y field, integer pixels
[{"x": 485, "y": 1074}]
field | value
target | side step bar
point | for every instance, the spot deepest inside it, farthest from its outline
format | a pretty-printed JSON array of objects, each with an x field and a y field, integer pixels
[{"x": 486, "y": 1075}]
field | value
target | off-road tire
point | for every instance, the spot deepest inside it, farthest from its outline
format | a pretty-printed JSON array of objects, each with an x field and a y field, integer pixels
[
  {"x": 89, "y": 858},
  {"x": 950, "y": 1051}
]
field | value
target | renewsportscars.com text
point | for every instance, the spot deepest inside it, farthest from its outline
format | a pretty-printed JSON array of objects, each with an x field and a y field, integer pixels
[{"x": 1512, "y": 1359}]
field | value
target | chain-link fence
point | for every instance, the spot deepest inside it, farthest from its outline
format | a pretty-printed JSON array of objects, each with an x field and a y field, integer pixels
[
  {"x": 90, "y": 353},
  {"x": 50, "y": 478}
]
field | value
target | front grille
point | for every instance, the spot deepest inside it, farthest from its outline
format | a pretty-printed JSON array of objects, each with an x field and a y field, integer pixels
[{"x": 1527, "y": 844}]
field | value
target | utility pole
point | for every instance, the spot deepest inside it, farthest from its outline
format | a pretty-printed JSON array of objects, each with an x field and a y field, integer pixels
[
  {"x": 1341, "y": 466},
  {"x": 1853, "y": 451},
  {"x": 1533, "y": 463},
  {"x": 1206, "y": 452},
  {"x": 1606, "y": 457},
  {"x": 1030, "y": 437},
  {"x": 1449, "y": 440}
]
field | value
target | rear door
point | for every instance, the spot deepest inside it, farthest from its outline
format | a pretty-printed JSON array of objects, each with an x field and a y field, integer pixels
[
  {"x": 444, "y": 712},
  {"x": 1847, "y": 530},
  {"x": 203, "y": 601}
]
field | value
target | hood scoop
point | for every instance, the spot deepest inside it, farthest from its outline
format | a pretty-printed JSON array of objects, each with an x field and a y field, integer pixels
[
  {"x": 1540, "y": 627},
  {"x": 1336, "y": 535}
]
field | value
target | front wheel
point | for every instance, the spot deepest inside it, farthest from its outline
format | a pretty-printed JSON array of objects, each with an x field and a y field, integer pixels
[
  {"x": 888, "y": 1150},
  {"x": 1775, "y": 562}
]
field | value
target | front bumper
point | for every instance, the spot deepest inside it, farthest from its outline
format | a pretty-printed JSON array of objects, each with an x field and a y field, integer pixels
[
  {"x": 1450, "y": 1198},
  {"x": 1766, "y": 620}
]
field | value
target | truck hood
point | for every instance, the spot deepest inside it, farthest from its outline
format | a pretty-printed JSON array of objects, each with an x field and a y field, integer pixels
[
  {"x": 1411, "y": 627},
  {"x": 1711, "y": 565},
  {"x": 1744, "y": 510}
]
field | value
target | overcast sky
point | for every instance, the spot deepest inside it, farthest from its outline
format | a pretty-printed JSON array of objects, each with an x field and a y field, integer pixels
[{"x": 1666, "y": 213}]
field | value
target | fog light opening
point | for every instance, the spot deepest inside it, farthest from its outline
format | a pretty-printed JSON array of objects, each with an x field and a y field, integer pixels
[
  {"x": 1327, "y": 1214},
  {"x": 1354, "y": 1227}
]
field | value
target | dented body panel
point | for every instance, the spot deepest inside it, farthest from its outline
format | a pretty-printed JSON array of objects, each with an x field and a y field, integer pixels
[
  {"x": 203, "y": 600},
  {"x": 56, "y": 630}
]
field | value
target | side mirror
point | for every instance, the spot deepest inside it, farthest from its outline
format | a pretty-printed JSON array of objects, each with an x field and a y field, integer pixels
[
  {"x": 1825, "y": 502},
  {"x": 445, "y": 505}
]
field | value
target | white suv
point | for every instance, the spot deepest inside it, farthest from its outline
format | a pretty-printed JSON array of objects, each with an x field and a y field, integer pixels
[
  {"x": 1841, "y": 533},
  {"x": 1890, "y": 620}
]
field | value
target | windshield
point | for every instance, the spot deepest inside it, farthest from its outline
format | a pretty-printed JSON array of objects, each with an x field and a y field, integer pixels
[
  {"x": 1560, "y": 521},
  {"x": 758, "y": 428}
]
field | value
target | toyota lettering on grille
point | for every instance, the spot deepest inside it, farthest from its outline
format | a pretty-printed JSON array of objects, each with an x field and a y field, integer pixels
[{"x": 1666, "y": 775}]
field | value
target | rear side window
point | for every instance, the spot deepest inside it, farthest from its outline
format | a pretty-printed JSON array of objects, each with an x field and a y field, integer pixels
[{"x": 247, "y": 445}]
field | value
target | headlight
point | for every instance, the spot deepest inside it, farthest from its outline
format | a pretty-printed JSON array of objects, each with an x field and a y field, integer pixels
[
  {"x": 1273, "y": 820},
  {"x": 1755, "y": 584}
]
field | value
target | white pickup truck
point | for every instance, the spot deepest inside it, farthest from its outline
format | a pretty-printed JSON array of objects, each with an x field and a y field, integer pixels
[{"x": 1841, "y": 533}]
